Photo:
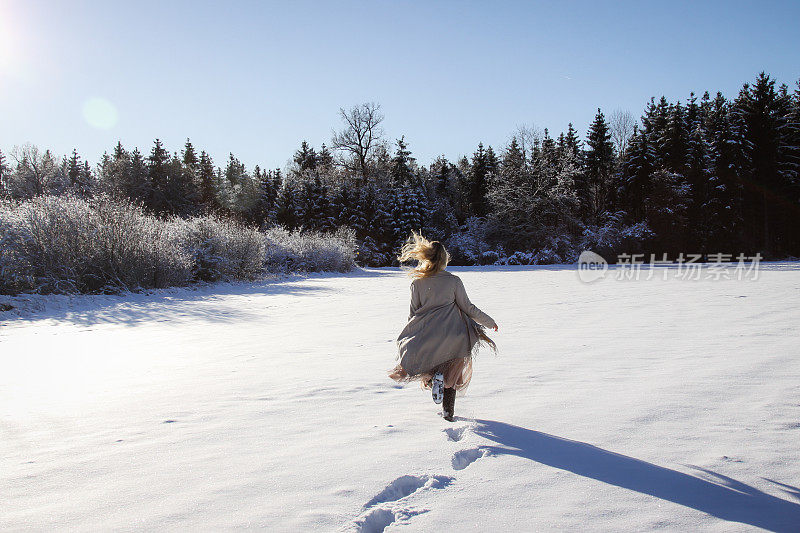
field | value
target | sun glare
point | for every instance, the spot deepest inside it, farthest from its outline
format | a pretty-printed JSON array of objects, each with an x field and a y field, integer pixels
[{"x": 100, "y": 113}]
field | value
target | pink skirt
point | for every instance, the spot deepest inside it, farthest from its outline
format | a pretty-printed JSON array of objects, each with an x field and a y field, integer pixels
[{"x": 457, "y": 374}]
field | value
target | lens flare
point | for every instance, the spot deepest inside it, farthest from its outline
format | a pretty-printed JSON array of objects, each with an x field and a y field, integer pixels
[{"x": 100, "y": 113}]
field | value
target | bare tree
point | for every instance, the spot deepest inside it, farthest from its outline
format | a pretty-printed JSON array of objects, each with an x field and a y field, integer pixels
[
  {"x": 36, "y": 173},
  {"x": 527, "y": 135},
  {"x": 621, "y": 124},
  {"x": 361, "y": 135}
]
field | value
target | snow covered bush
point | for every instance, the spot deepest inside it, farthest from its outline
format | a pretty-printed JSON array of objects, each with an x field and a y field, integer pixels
[
  {"x": 466, "y": 247},
  {"x": 59, "y": 244},
  {"x": 8, "y": 235},
  {"x": 546, "y": 256},
  {"x": 374, "y": 254},
  {"x": 558, "y": 248},
  {"x": 519, "y": 258},
  {"x": 68, "y": 244},
  {"x": 489, "y": 257},
  {"x": 309, "y": 251},
  {"x": 222, "y": 249},
  {"x": 614, "y": 238}
]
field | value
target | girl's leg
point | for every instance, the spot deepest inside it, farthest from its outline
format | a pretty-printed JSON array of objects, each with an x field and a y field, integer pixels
[{"x": 449, "y": 403}]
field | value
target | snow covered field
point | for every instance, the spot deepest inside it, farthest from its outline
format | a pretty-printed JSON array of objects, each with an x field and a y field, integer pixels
[{"x": 619, "y": 405}]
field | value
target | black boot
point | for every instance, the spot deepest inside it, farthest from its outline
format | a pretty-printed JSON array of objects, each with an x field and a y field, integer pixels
[{"x": 449, "y": 404}]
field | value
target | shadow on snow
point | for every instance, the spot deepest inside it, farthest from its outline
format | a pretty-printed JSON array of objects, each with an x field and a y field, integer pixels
[
  {"x": 173, "y": 304},
  {"x": 714, "y": 494}
]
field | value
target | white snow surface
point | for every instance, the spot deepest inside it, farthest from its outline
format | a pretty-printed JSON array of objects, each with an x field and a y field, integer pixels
[{"x": 620, "y": 405}]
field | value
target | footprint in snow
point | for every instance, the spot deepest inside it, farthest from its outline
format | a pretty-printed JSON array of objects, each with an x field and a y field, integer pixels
[
  {"x": 378, "y": 520},
  {"x": 407, "y": 485},
  {"x": 464, "y": 458},
  {"x": 455, "y": 434},
  {"x": 382, "y": 511}
]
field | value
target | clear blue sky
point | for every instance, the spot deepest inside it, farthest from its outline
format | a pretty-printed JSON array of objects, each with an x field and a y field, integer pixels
[{"x": 256, "y": 78}]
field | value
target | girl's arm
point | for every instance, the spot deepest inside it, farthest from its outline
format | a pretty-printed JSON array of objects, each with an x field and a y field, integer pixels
[{"x": 462, "y": 300}]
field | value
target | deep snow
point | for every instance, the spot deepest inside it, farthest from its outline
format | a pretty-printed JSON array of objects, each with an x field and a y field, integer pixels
[{"x": 616, "y": 405}]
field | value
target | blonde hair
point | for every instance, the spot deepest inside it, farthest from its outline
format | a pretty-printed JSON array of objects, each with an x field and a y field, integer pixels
[{"x": 431, "y": 256}]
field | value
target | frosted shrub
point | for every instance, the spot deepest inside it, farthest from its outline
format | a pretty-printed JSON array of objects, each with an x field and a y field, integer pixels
[
  {"x": 546, "y": 256},
  {"x": 374, "y": 254},
  {"x": 468, "y": 245},
  {"x": 135, "y": 249},
  {"x": 222, "y": 249},
  {"x": 520, "y": 258},
  {"x": 309, "y": 251},
  {"x": 67, "y": 244},
  {"x": 557, "y": 249},
  {"x": 614, "y": 238},
  {"x": 489, "y": 257},
  {"x": 9, "y": 235}
]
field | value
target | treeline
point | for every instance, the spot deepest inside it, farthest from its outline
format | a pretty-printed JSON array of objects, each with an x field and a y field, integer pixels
[{"x": 705, "y": 175}]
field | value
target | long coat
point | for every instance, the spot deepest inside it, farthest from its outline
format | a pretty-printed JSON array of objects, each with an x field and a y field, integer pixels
[{"x": 441, "y": 323}]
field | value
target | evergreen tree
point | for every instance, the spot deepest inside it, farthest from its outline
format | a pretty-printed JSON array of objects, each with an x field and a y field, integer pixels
[
  {"x": 313, "y": 207},
  {"x": 693, "y": 114},
  {"x": 189, "y": 185},
  {"x": 512, "y": 194},
  {"x": 229, "y": 187},
  {"x": 207, "y": 193},
  {"x": 305, "y": 158},
  {"x": 674, "y": 141},
  {"x": 702, "y": 207},
  {"x": 546, "y": 164},
  {"x": 116, "y": 175},
  {"x": 268, "y": 194},
  {"x": 190, "y": 162},
  {"x": 325, "y": 158},
  {"x": 408, "y": 211},
  {"x": 765, "y": 115},
  {"x": 180, "y": 189},
  {"x": 492, "y": 168},
  {"x": 479, "y": 171},
  {"x": 637, "y": 172},
  {"x": 572, "y": 142},
  {"x": 657, "y": 126},
  {"x": 461, "y": 184},
  {"x": 139, "y": 178},
  {"x": 342, "y": 206},
  {"x": 599, "y": 192},
  {"x": 793, "y": 155},
  {"x": 728, "y": 152},
  {"x": 382, "y": 224},
  {"x": 363, "y": 212},
  {"x": 158, "y": 177},
  {"x": 74, "y": 171},
  {"x": 247, "y": 199},
  {"x": 86, "y": 178},
  {"x": 286, "y": 208},
  {"x": 401, "y": 165},
  {"x": 442, "y": 200},
  {"x": 234, "y": 171},
  {"x": 666, "y": 211},
  {"x": 443, "y": 174},
  {"x": 326, "y": 217}
]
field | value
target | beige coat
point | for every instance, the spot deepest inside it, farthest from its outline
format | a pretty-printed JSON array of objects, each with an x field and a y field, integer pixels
[{"x": 441, "y": 325}]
